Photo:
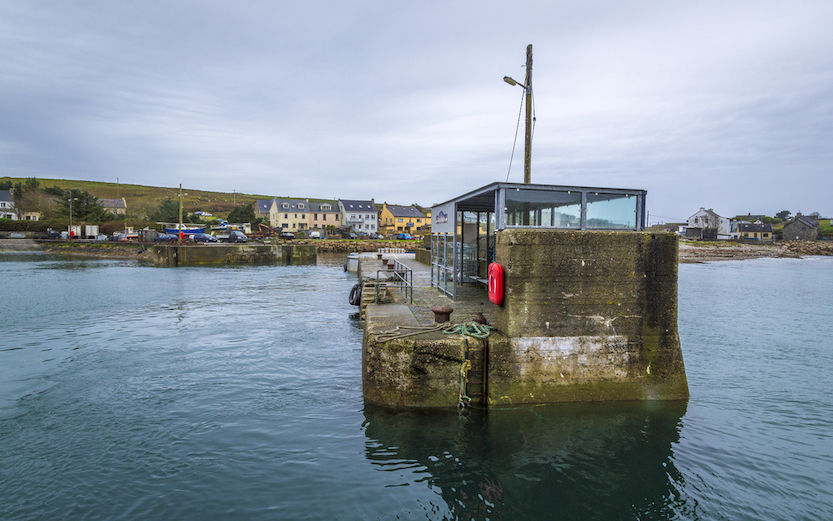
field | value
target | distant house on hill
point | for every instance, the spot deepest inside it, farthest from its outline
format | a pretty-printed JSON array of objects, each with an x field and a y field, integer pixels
[
  {"x": 323, "y": 214},
  {"x": 801, "y": 228},
  {"x": 404, "y": 219},
  {"x": 267, "y": 210},
  {"x": 114, "y": 206},
  {"x": 757, "y": 231},
  {"x": 7, "y": 210},
  {"x": 292, "y": 214},
  {"x": 706, "y": 224},
  {"x": 361, "y": 216}
]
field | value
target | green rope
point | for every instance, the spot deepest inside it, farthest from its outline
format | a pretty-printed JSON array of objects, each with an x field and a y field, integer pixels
[{"x": 472, "y": 329}]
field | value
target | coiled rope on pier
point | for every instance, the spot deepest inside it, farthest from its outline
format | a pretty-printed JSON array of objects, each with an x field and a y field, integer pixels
[{"x": 472, "y": 329}]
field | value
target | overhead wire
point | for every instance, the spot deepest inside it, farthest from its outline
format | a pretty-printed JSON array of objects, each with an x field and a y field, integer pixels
[{"x": 514, "y": 144}]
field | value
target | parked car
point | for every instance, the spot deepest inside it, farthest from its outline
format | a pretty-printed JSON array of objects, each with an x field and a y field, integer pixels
[
  {"x": 164, "y": 237},
  {"x": 236, "y": 236},
  {"x": 287, "y": 235},
  {"x": 204, "y": 237},
  {"x": 101, "y": 237},
  {"x": 403, "y": 236},
  {"x": 314, "y": 235}
]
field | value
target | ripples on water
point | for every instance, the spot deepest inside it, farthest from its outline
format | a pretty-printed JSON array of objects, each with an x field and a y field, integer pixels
[{"x": 134, "y": 392}]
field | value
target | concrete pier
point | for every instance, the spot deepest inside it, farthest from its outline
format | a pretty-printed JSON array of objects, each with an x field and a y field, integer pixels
[
  {"x": 587, "y": 316},
  {"x": 232, "y": 254}
]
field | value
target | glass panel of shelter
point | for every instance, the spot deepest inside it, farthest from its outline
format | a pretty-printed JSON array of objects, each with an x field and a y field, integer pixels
[
  {"x": 542, "y": 209},
  {"x": 477, "y": 245}
]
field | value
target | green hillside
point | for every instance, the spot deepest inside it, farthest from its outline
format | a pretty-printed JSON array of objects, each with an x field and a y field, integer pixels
[{"x": 143, "y": 200}]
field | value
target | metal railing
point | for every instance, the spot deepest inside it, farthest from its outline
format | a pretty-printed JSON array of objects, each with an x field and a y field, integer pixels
[{"x": 403, "y": 278}]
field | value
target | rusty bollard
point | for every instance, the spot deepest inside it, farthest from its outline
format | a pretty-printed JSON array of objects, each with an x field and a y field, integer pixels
[
  {"x": 441, "y": 314},
  {"x": 480, "y": 319}
]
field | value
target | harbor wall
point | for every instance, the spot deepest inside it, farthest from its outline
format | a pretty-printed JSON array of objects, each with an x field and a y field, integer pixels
[
  {"x": 590, "y": 316},
  {"x": 587, "y": 316},
  {"x": 232, "y": 254}
]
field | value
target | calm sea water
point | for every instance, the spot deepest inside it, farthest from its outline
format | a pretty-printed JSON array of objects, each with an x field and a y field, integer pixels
[{"x": 134, "y": 392}]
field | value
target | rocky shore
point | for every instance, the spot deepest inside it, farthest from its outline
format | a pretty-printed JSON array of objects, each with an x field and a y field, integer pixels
[{"x": 694, "y": 252}]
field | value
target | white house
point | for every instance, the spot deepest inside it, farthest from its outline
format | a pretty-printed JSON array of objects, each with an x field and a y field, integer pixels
[
  {"x": 7, "y": 209},
  {"x": 359, "y": 215},
  {"x": 708, "y": 220}
]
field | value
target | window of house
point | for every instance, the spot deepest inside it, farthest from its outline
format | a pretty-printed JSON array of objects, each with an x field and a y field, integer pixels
[
  {"x": 285, "y": 205},
  {"x": 301, "y": 206},
  {"x": 399, "y": 220},
  {"x": 286, "y": 216},
  {"x": 315, "y": 217}
]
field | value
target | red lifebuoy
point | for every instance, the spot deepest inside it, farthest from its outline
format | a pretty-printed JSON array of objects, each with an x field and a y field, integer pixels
[{"x": 495, "y": 283}]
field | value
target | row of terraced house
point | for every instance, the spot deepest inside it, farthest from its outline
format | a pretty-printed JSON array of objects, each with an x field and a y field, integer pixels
[{"x": 363, "y": 217}]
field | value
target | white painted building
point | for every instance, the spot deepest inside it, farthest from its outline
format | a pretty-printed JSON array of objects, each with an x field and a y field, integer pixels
[
  {"x": 708, "y": 219},
  {"x": 7, "y": 209},
  {"x": 362, "y": 216}
]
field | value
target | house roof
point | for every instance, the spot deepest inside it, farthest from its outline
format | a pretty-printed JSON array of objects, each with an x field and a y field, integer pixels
[
  {"x": 748, "y": 227},
  {"x": 404, "y": 211},
  {"x": 263, "y": 205},
  {"x": 805, "y": 221},
  {"x": 292, "y": 205},
  {"x": 358, "y": 206},
  {"x": 316, "y": 207},
  {"x": 709, "y": 212},
  {"x": 112, "y": 203},
  {"x": 6, "y": 195}
]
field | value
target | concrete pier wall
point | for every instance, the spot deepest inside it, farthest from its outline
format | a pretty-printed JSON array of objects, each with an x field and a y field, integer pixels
[
  {"x": 233, "y": 254},
  {"x": 589, "y": 315}
]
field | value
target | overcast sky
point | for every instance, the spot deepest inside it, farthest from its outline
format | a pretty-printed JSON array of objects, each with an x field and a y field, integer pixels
[{"x": 721, "y": 104}]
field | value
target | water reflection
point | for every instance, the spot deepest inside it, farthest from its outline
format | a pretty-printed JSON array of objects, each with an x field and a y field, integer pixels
[{"x": 573, "y": 461}]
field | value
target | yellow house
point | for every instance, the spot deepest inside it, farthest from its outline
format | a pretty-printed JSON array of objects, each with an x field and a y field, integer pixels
[
  {"x": 292, "y": 214},
  {"x": 403, "y": 219}
]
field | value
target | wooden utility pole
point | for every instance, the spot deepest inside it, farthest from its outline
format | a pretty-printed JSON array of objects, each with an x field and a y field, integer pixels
[{"x": 528, "y": 136}]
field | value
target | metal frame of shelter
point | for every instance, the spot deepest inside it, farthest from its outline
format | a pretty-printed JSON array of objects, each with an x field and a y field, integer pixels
[{"x": 463, "y": 229}]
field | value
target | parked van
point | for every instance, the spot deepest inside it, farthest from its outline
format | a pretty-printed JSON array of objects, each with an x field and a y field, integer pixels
[{"x": 315, "y": 235}]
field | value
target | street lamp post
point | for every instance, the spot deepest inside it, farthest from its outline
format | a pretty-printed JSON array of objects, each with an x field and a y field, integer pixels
[{"x": 527, "y": 86}]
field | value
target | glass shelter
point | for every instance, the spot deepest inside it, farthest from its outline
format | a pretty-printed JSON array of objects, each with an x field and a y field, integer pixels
[{"x": 463, "y": 229}]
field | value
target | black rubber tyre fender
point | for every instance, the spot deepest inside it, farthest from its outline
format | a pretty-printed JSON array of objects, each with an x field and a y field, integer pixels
[{"x": 356, "y": 294}]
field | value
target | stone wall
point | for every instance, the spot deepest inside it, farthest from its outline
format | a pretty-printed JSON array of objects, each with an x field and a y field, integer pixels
[
  {"x": 590, "y": 316},
  {"x": 343, "y": 246},
  {"x": 232, "y": 254}
]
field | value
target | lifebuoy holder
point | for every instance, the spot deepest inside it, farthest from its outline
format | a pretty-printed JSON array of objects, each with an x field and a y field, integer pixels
[{"x": 496, "y": 283}]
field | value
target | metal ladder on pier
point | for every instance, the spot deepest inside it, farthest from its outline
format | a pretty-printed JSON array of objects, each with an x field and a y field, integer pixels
[{"x": 476, "y": 380}]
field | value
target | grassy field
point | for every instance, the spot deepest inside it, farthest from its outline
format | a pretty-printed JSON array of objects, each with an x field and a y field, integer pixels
[{"x": 144, "y": 199}]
